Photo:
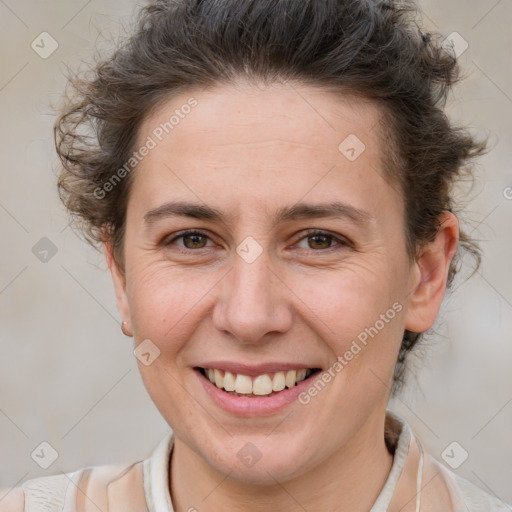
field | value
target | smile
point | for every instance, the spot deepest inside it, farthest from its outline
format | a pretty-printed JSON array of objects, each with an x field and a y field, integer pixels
[{"x": 264, "y": 385}]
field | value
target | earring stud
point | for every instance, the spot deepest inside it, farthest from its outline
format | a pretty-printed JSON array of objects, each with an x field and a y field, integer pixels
[{"x": 124, "y": 330}]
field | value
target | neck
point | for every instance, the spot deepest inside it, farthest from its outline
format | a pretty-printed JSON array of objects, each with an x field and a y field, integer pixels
[{"x": 349, "y": 480}]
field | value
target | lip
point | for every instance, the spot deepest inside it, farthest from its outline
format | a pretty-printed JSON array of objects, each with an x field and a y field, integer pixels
[
  {"x": 250, "y": 407},
  {"x": 253, "y": 370}
]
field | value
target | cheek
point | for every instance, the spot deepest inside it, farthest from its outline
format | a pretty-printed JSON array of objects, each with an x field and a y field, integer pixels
[
  {"x": 358, "y": 314},
  {"x": 349, "y": 299},
  {"x": 163, "y": 299}
]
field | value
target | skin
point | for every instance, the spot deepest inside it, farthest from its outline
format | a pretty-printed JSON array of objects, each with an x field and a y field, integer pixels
[{"x": 248, "y": 151}]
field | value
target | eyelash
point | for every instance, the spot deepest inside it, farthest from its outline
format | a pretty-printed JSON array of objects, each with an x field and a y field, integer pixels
[{"x": 342, "y": 243}]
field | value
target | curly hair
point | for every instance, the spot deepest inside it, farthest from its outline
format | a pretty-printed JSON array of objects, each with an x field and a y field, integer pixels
[{"x": 374, "y": 49}]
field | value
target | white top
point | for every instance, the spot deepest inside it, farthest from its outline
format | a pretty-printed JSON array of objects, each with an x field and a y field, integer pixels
[{"x": 144, "y": 484}]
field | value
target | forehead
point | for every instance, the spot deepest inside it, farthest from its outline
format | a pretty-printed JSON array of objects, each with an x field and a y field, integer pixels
[
  {"x": 271, "y": 144},
  {"x": 241, "y": 113}
]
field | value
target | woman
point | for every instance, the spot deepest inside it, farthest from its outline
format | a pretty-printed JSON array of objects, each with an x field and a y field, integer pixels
[{"x": 270, "y": 182}]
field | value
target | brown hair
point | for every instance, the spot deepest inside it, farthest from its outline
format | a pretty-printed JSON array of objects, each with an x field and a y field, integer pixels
[{"x": 366, "y": 47}]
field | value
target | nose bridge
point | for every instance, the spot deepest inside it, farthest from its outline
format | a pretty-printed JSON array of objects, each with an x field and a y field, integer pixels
[{"x": 251, "y": 302}]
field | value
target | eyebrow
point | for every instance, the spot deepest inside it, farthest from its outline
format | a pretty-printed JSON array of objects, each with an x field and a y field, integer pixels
[{"x": 297, "y": 211}]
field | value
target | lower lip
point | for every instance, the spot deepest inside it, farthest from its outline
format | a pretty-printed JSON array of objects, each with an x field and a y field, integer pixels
[{"x": 242, "y": 406}]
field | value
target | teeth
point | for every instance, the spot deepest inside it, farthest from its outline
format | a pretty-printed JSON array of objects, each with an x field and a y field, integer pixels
[
  {"x": 229, "y": 382},
  {"x": 278, "y": 382},
  {"x": 291, "y": 378},
  {"x": 262, "y": 385},
  {"x": 243, "y": 384},
  {"x": 219, "y": 379}
]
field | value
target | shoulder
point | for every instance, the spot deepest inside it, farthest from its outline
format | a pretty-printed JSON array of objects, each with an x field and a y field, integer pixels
[
  {"x": 95, "y": 487},
  {"x": 12, "y": 500},
  {"x": 476, "y": 499},
  {"x": 100, "y": 484},
  {"x": 44, "y": 493},
  {"x": 467, "y": 496},
  {"x": 448, "y": 487}
]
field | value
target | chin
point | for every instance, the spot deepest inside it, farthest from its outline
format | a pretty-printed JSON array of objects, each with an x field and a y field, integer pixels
[{"x": 256, "y": 460}]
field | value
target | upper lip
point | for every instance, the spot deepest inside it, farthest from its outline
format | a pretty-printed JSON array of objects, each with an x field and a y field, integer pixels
[{"x": 252, "y": 370}]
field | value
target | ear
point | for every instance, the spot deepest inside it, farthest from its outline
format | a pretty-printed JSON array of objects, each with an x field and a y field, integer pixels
[
  {"x": 119, "y": 279},
  {"x": 430, "y": 275}
]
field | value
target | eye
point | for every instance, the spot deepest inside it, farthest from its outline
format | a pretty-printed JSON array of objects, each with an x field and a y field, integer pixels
[
  {"x": 322, "y": 240},
  {"x": 191, "y": 239}
]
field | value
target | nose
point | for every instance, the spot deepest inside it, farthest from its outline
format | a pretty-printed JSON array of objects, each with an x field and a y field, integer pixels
[{"x": 253, "y": 302}]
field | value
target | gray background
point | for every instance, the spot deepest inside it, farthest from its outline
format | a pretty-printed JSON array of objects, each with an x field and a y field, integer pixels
[{"x": 68, "y": 375}]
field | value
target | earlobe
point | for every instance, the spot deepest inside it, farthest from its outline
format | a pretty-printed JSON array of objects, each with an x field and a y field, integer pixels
[{"x": 430, "y": 275}]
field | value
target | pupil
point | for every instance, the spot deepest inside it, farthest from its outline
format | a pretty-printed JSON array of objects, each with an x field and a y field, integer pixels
[
  {"x": 194, "y": 238},
  {"x": 325, "y": 238}
]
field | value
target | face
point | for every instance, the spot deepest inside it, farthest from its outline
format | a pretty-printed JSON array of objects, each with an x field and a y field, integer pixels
[{"x": 241, "y": 276}]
